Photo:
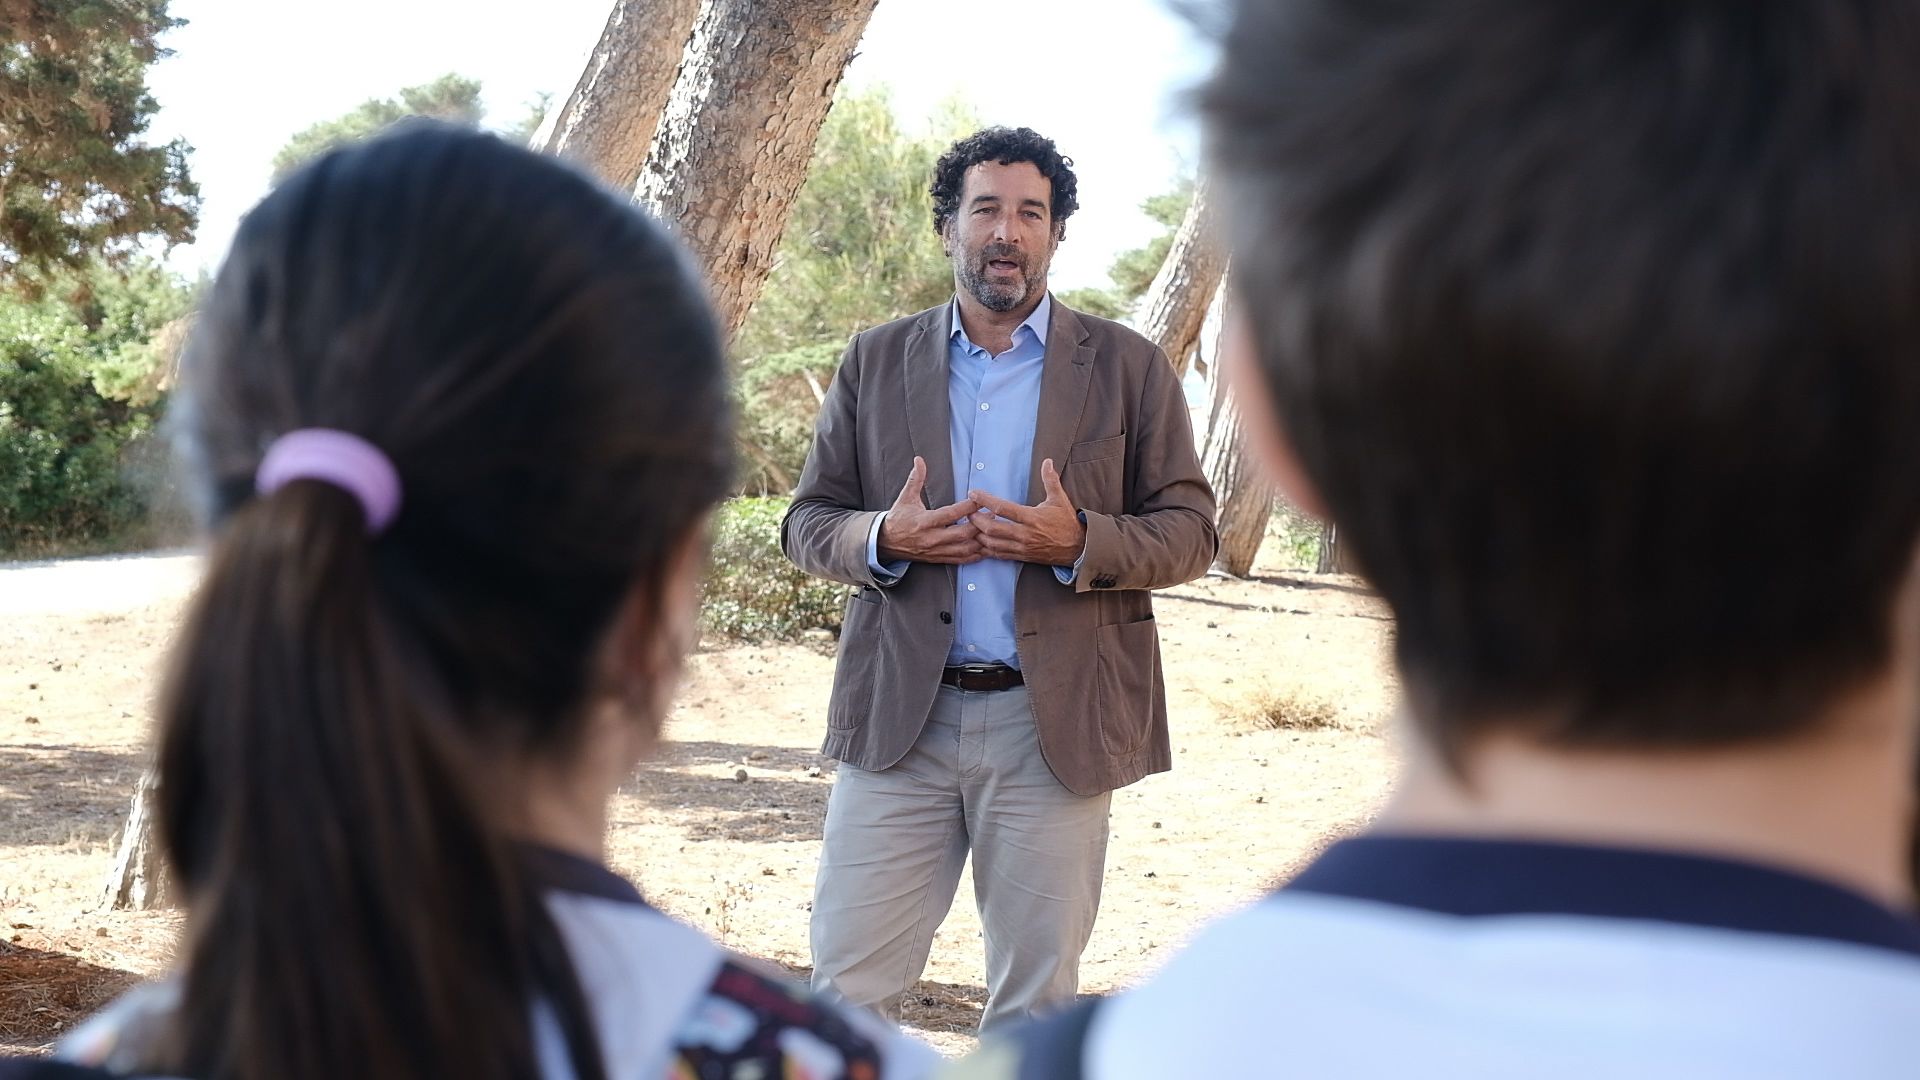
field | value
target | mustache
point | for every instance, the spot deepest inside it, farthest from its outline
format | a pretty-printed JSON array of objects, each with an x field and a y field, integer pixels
[{"x": 1003, "y": 251}]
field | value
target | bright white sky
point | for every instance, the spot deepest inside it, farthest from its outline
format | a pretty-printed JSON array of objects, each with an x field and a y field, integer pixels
[{"x": 1100, "y": 77}]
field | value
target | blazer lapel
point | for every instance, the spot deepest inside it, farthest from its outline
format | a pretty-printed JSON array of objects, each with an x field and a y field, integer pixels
[
  {"x": 1064, "y": 380},
  {"x": 929, "y": 417}
]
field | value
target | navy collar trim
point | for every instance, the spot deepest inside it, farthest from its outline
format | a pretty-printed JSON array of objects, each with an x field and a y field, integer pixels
[
  {"x": 1475, "y": 878},
  {"x": 563, "y": 871}
]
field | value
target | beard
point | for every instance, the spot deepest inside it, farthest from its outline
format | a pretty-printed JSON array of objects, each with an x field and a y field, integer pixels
[{"x": 996, "y": 295}]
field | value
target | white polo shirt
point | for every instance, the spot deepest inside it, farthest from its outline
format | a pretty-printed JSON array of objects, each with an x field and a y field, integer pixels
[
  {"x": 665, "y": 1002},
  {"x": 1400, "y": 957}
]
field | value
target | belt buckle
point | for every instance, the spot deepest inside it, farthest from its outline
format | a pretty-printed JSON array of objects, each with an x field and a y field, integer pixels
[{"x": 977, "y": 669}]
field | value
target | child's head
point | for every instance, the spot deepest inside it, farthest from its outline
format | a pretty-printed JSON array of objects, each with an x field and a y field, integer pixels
[
  {"x": 1596, "y": 328},
  {"x": 353, "y": 709}
]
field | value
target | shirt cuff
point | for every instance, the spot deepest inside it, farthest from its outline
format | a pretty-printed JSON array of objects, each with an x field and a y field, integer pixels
[
  {"x": 1066, "y": 574},
  {"x": 883, "y": 574}
]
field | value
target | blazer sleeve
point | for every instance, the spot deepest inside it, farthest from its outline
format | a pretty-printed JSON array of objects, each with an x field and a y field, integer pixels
[
  {"x": 826, "y": 527},
  {"x": 1168, "y": 534}
]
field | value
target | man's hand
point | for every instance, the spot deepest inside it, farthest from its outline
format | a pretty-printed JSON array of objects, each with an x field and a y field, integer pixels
[
  {"x": 945, "y": 534},
  {"x": 1049, "y": 534}
]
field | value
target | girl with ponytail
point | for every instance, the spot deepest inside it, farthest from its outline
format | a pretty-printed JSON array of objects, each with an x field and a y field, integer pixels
[{"x": 456, "y": 418}]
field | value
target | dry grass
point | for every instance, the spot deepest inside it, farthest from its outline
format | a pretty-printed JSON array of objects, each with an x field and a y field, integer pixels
[{"x": 1290, "y": 709}]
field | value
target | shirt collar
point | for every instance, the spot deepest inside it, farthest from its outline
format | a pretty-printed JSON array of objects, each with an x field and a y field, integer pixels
[
  {"x": 1478, "y": 878},
  {"x": 562, "y": 871},
  {"x": 1036, "y": 322}
]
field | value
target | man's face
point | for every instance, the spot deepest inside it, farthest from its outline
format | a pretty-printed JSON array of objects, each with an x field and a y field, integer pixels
[{"x": 1002, "y": 237}]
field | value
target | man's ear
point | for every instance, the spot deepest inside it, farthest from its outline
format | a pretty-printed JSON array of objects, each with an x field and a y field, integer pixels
[{"x": 1241, "y": 358}]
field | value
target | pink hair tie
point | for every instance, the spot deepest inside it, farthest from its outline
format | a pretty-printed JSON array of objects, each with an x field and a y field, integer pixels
[{"x": 340, "y": 458}]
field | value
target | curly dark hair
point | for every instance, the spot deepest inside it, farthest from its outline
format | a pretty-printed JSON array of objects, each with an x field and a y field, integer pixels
[{"x": 1006, "y": 146}]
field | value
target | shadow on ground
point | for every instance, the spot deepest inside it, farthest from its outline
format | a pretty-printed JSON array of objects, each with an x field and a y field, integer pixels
[
  {"x": 697, "y": 784},
  {"x": 51, "y": 795},
  {"x": 44, "y": 993}
]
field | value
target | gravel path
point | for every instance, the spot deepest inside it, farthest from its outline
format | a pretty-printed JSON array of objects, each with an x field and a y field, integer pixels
[{"x": 104, "y": 583}]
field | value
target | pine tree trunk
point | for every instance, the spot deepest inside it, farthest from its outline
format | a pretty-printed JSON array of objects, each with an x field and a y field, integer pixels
[
  {"x": 1333, "y": 559},
  {"x": 607, "y": 123},
  {"x": 735, "y": 141},
  {"x": 138, "y": 880},
  {"x": 1241, "y": 488},
  {"x": 1175, "y": 306}
]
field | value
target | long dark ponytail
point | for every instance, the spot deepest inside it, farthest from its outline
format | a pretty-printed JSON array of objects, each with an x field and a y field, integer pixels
[{"x": 344, "y": 709}]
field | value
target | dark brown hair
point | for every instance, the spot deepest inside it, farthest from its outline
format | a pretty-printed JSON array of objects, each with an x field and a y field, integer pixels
[
  {"x": 537, "y": 360},
  {"x": 1005, "y": 146},
  {"x": 1597, "y": 325}
]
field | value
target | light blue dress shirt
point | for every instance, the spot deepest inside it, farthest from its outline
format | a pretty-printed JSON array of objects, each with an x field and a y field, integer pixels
[{"x": 993, "y": 403}]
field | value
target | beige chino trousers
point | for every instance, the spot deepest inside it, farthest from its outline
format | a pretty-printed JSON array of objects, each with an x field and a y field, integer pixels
[{"x": 896, "y": 842}]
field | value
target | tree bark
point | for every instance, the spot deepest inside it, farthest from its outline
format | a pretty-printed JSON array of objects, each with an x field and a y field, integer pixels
[
  {"x": 608, "y": 122},
  {"x": 1240, "y": 487},
  {"x": 1175, "y": 306},
  {"x": 138, "y": 880},
  {"x": 737, "y": 135},
  {"x": 1333, "y": 558}
]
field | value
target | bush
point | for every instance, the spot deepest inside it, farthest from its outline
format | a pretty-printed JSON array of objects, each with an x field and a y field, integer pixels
[
  {"x": 753, "y": 593},
  {"x": 776, "y": 403},
  {"x": 60, "y": 440},
  {"x": 78, "y": 408}
]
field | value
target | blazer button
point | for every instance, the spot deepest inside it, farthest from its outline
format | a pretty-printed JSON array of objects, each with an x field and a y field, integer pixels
[{"x": 946, "y": 616}]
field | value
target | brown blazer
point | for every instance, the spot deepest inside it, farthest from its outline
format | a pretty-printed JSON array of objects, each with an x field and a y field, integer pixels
[{"x": 1113, "y": 417}]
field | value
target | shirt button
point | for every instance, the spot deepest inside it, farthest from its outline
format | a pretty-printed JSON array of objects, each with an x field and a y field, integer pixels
[
  {"x": 973, "y": 648},
  {"x": 971, "y": 586},
  {"x": 984, "y": 406},
  {"x": 979, "y": 465}
]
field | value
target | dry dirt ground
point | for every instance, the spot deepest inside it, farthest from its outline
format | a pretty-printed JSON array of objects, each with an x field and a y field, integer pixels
[{"x": 1280, "y": 692}]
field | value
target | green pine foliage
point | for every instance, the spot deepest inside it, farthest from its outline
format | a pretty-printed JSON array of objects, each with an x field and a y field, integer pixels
[
  {"x": 1133, "y": 270},
  {"x": 78, "y": 182},
  {"x": 452, "y": 98}
]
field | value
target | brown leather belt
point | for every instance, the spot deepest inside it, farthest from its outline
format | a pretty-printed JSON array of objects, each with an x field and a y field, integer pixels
[{"x": 978, "y": 677}]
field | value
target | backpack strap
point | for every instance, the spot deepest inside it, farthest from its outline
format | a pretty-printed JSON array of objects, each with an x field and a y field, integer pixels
[{"x": 752, "y": 1023}]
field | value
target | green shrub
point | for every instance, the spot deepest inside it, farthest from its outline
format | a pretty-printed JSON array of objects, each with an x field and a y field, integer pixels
[
  {"x": 60, "y": 439},
  {"x": 753, "y": 593},
  {"x": 78, "y": 407},
  {"x": 1296, "y": 536}
]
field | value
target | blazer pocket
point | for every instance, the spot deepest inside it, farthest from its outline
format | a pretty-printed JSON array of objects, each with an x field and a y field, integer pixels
[
  {"x": 1097, "y": 449},
  {"x": 1095, "y": 476},
  {"x": 856, "y": 669},
  {"x": 1126, "y": 678}
]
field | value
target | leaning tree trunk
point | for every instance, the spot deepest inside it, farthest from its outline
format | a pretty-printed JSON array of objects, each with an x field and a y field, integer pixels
[
  {"x": 737, "y": 135},
  {"x": 608, "y": 121},
  {"x": 138, "y": 880},
  {"x": 1175, "y": 307},
  {"x": 1240, "y": 486}
]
